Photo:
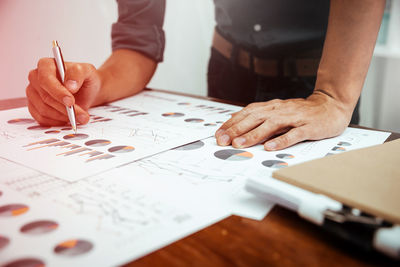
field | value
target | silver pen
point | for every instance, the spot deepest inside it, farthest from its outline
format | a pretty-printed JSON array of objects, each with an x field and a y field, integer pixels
[{"x": 61, "y": 71}]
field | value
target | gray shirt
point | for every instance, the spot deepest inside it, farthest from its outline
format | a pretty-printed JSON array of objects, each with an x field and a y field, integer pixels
[{"x": 268, "y": 28}]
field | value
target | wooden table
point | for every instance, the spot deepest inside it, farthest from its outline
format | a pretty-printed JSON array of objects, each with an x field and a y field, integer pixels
[{"x": 281, "y": 239}]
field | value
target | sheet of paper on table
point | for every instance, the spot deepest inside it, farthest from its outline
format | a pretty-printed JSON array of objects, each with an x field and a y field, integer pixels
[
  {"x": 126, "y": 130},
  {"x": 132, "y": 210}
]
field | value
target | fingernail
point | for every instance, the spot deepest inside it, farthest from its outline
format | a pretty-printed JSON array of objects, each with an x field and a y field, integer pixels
[
  {"x": 219, "y": 132},
  {"x": 67, "y": 101},
  {"x": 71, "y": 85},
  {"x": 224, "y": 140},
  {"x": 238, "y": 142},
  {"x": 82, "y": 118},
  {"x": 270, "y": 146}
]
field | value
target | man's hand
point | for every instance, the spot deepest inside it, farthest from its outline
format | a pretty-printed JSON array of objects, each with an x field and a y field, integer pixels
[
  {"x": 48, "y": 97},
  {"x": 295, "y": 120}
]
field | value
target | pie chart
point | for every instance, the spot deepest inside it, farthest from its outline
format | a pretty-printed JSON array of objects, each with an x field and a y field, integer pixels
[
  {"x": 344, "y": 144},
  {"x": 98, "y": 142},
  {"x": 191, "y": 146},
  {"x": 121, "y": 149},
  {"x": 233, "y": 154},
  {"x": 3, "y": 241},
  {"x": 21, "y": 121},
  {"x": 38, "y": 127},
  {"x": 73, "y": 247},
  {"x": 285, "y": 156},
  {"x": 39, "y": 227},
  {"x": 275, "y": 164},
  {"x": 12, "y": 210},
  {"x": 338, "y": 148},
  {"x": 26, "y": 262},
  {"x": 52, "y": 132},
  {"x": 75, "y": 136},
  {"x": 194, "y": 120},
  {"x": 173, "y": 114}
]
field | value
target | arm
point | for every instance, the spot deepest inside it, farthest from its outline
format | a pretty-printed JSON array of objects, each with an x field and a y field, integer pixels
[
  {"x": 125, "y": 73},
  {"x": 138, "y": 45},
  {"x": 352, "y": 30}
]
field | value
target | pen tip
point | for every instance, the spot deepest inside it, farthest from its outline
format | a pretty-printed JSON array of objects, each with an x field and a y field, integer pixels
[{"x": 55, "y": 44}]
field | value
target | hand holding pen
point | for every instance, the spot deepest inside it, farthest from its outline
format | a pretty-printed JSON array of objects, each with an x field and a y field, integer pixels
[{"x": 48, "y": 96}]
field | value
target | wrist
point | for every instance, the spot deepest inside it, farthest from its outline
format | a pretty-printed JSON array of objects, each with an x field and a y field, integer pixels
[{"x": 332, "y": 104}]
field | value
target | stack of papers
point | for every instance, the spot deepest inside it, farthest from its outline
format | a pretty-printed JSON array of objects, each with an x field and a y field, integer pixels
[{"x": 142, "y": 174}]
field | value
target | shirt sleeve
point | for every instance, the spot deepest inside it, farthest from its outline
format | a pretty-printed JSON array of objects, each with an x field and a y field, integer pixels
[{"x": 139, "y": 27}]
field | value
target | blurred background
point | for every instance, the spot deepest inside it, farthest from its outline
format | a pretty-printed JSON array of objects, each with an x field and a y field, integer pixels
[{"x": 83, "y": 30}]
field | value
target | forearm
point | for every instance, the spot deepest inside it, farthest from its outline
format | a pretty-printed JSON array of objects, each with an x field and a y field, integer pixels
[
  {"x": 352, "y": 30},
  {"x": 124, "y": 73}
]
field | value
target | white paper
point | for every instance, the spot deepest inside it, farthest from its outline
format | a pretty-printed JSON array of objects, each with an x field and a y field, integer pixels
[
  {"x": 120, "y": 220},
  {"x": 125, "y": 131}
]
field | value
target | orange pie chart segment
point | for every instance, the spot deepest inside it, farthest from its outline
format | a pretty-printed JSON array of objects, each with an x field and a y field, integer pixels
[{"x": 12, "y": 210}]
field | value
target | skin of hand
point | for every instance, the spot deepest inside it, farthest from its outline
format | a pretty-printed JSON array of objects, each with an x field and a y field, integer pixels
[
  {"x": 350, "y": 40},
  {"x": 124, "y": 73}
]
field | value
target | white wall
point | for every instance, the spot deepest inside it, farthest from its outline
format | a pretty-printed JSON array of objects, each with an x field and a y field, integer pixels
[
  {"x": 28, "y": 27},
  {"x": 189, "y": 25}
]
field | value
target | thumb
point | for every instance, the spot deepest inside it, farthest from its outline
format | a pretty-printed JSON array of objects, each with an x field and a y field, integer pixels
[{"x": 75, "y": 75}]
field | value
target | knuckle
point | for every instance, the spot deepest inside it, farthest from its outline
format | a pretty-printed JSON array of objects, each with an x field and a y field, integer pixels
[
  {"x": 45, "y": 61},
  {"x": 76, "y": 68},
  {"x": 256, "y": 117},
  {"x": 47, "y": 98},
  {"x": 255, "y": 136},
  {"x": 235, "y": 130},
  {"x": 32, "y": 75}
]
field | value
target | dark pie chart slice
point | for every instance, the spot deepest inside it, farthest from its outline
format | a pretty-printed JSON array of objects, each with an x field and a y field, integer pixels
[
  {"x": 73, "y": 247},
  {"x": 344, "y": 144},
  {"x": 39, "y": 227},
  {"x": 98, "y": 142},
  {"x": 121, "y": 149},
  {"x": 173, "y": 114},
  {"x": 26, "y": 262},
  {"x": 191, "y": 146},
  {"x": 233, "y": 154},
  {"x": 12, "y": 210},
  {"x": 285, "y": 156},
  {"x": 275, "y": 164},
  {"x": 21, "y": 121},
  {"x": 77, "y": 136},
  {"x": 38, "y": 127},
  {"x": 3, "y": 241}
]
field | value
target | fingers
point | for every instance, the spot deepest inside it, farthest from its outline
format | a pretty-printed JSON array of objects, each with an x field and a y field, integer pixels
[
  {"x": 76, "y": 74},
  {"x": 257, "y": 135},
  {"x": 293, "y": 136},
  {"x": 47, "y": 78},
  {"x": 41, "y": 119},
  {"x": 82, "y": 116},
  {"x": 254, "y": 108},
  {"x": 43, "y": 108},
  {"x": 247, "y": 124}
]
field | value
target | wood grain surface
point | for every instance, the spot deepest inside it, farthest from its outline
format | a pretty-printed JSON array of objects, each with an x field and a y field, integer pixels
[{"x": 280, "y": 239}]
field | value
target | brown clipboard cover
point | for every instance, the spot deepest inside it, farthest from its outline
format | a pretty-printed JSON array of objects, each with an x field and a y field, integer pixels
[{"x": 367, "y": 179}]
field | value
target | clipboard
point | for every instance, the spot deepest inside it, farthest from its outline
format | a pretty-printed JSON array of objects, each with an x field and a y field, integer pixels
[{"x": 355, "y": 195}]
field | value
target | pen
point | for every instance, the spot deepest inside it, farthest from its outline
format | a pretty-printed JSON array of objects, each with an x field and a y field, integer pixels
[{"x": 61, "y": 70}]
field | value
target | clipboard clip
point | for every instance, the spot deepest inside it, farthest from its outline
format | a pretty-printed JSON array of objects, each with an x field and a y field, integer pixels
[{"x": 352, "y": 216}]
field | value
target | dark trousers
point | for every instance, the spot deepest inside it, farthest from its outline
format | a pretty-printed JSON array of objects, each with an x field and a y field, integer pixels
[{"x": 230, "y": 81}]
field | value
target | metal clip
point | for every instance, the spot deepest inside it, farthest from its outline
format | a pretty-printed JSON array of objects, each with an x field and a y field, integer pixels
[{"x": 352, "y": 215}]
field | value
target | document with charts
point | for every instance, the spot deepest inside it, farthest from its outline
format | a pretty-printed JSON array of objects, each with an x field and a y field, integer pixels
[
  {"x": 118, "y": 133},
  {"x": 137, "y": 208}
]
